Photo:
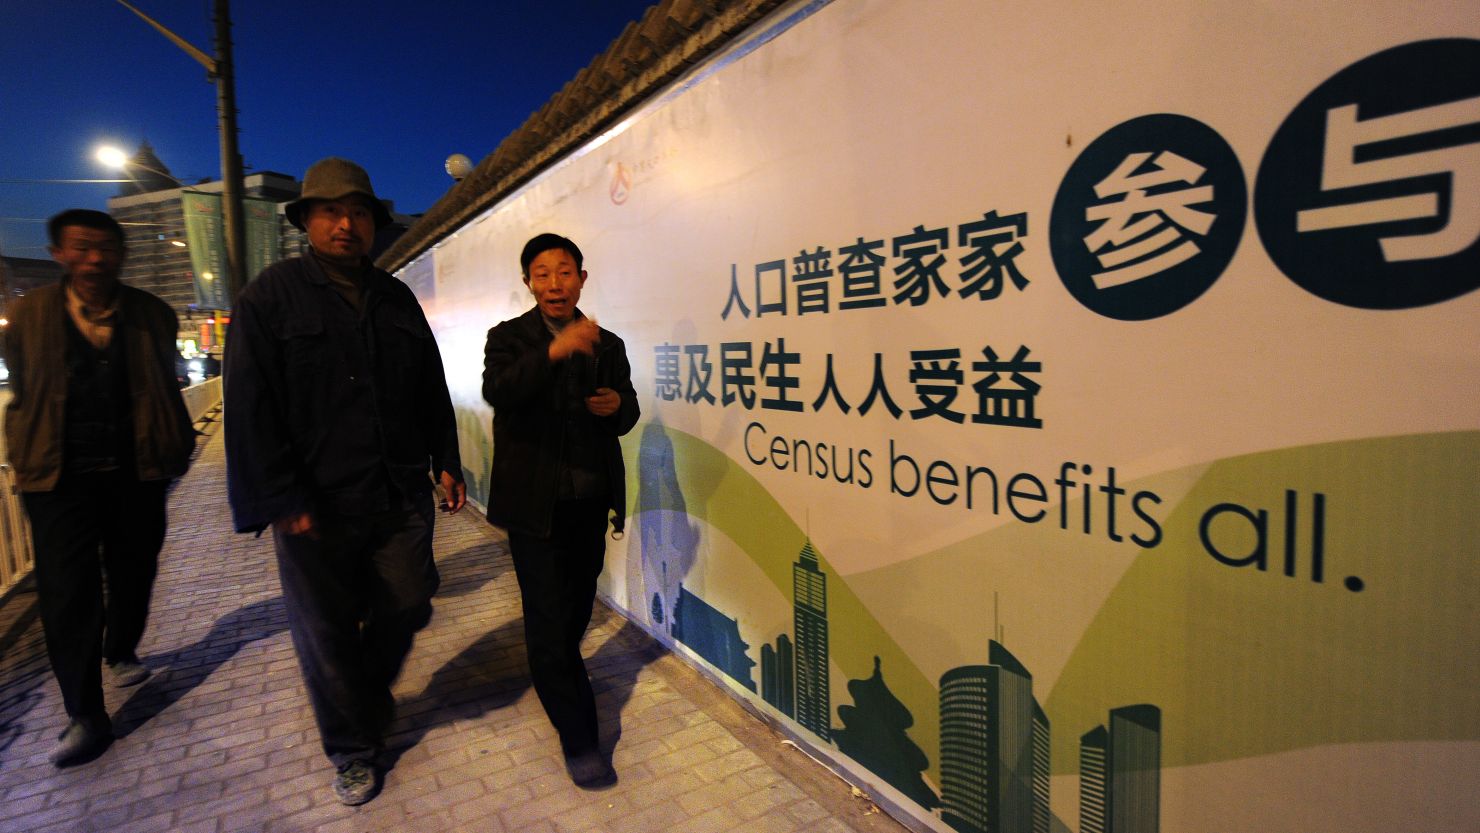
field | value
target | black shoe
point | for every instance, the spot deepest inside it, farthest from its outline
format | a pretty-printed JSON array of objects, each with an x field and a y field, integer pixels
[
  {"x": 590, "y": 771},
  {"x": 127, "y": 672},
  {"x": 357, "y": 783},
  {"x": 78, "y": 744}
]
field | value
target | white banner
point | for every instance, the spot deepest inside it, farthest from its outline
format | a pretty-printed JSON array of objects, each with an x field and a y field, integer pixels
[{"x": 1061, "y": 415}]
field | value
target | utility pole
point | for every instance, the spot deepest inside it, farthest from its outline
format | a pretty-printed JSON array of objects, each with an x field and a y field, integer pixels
[{"x": 220, "y": 70}]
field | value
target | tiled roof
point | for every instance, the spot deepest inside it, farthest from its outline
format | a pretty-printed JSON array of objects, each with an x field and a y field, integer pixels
[{"x": 671, "y": 36}]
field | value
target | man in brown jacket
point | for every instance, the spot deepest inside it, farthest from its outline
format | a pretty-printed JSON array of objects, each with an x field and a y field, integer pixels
[{"x": 96, "y": 430}]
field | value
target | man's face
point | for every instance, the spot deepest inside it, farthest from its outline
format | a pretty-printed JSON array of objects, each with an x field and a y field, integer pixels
[
  {"x": 89, "y": 254},
  {"x": 556, "y": 283},
  {"x": 342, "y": 229}
]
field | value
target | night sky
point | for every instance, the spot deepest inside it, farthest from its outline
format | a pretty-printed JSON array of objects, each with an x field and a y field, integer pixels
[{"x": 396, "y": 86}]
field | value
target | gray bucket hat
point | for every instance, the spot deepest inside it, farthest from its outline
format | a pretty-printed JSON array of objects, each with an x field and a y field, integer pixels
[{"x": 331, "y": 179}]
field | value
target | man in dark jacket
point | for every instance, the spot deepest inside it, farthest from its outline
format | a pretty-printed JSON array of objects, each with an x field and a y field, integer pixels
[
  {"x": 561, "y": 391},
  {"x": 336, "y": 410},
  {"x": 96, "y": 430}
]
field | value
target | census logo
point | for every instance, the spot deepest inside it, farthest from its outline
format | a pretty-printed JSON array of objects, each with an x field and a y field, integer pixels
[
  {"x": 1369, "y": 193},
  {"x": 1148, "y": 217}
]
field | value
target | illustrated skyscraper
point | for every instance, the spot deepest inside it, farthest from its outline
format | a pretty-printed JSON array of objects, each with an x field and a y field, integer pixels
[
  {"x": 993, "y": 746},
  {"x": 778, "y": 676},
  {"x": 1120, "y": 773},
  {"x": 1041, "y": 774},
  {"x": 809, "y": 595},
  {"x": 1094, "y": 757}
]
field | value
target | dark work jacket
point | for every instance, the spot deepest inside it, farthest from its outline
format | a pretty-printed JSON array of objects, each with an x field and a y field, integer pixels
[
  {"x": 328, "y": 409},
  {"x": 529, "y": 441},
  {"x": 36, "y": 347}
]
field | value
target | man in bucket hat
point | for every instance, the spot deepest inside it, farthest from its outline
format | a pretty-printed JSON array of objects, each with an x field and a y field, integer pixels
[{"x": 336, "y": 411}]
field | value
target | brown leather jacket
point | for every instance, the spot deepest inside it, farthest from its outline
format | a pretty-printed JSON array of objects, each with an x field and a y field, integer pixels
[{"x": 36, "y": 348}]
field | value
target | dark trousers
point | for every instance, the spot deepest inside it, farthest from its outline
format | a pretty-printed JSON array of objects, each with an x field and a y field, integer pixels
[
  {"x": 557, "y": 583},
  {"x": 356, "y": 596},
  {"x": 114, "y": 514}
]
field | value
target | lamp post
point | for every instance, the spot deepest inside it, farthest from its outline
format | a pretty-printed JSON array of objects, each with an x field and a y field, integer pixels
[{"x": 219, "y": 69}]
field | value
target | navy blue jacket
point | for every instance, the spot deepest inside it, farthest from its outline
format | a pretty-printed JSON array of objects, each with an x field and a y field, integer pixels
[
  {"x": 529, "y": 441},
  {"x": 327, "y": 409}
]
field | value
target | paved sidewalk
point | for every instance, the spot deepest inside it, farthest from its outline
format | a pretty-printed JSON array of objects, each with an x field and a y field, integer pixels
[{"x": 221, "y": 738}]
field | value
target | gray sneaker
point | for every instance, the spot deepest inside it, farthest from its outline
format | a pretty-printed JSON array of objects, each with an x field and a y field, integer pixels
[
  {"x": 357, "y": 783},
  {"x": 127, "y": 672},
  {"x": 77, "y": 744}
]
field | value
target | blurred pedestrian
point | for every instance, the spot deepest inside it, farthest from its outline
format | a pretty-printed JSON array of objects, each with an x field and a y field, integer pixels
[{"x": 96, "y": 430}]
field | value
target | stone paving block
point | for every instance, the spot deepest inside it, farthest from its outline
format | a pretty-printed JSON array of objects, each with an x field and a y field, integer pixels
[
  {"x": 501, "y": 796},
  {"x": 724, "y": 744},
  {"x": 223, "y": 742},
  {"x": 179, "y": 799},
  {"x": 202, "y": 826},
  {"x": 102, "y": 800},
  {"x": 772, "y": 823},
  {"x": 521, "y": 816},
  {"x": 481, "y": 813},
  {"x": 683, "y": 760},
  {"x": 538, "y": 768},
  {"x": 294, "y": 753},
  {"x": 51, "y": 818},
  {"x": 710, "y": 796},
  {"x": 659, "y": 817},
  {"x": 108, "y": 819},
  {"x": 386, "y": 812},
  {"x": 151, "y": 824},
  {"x": 807, "y": 811},
  {"x": 717, "y": 820},
  {"x": 264, "y": 746},
  {"x": 304, "y": 784},
  {"x": 22, "y": 806},
  {"x": 694, "y": 734},
  {"x": 770, "y": 800},
  {"x": 314, "y": 818},
  {"x": 593, "y": 813},
  {"x": 657, "y": 788},
  {"x": 444, "y": 796},
  {"x": 474, "y": 770},
  {"x": 191, "y": 763},
  {"x": 634, "y": 749},
  {"x": 233, "y": 772},
  {"x": 725, "y": 766}
]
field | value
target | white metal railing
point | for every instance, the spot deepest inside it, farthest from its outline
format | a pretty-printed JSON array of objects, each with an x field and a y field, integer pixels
[
  {"x": 202, "y": 397},
  {"x": 16, "y": 556}
]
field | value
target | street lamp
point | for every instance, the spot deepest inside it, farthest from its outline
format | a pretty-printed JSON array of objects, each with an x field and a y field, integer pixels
[
  {"x": 219, "y": 69},
  {"x": 114, "y": 157}
]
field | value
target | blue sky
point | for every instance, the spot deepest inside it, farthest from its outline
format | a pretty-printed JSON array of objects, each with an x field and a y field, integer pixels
[{"x": 396, "y": 86}]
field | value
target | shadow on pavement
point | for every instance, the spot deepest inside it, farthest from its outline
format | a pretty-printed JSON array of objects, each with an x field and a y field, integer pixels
[{"x": 177, "y": 672}]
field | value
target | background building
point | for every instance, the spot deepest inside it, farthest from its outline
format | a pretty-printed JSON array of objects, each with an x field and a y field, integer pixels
[
  {"x": 19, "y": 275},
  {"x": 152, "y": 211}
]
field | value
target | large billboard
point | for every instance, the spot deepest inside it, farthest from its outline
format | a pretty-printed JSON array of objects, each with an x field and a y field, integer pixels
[{"x": 1061, "y": 416}]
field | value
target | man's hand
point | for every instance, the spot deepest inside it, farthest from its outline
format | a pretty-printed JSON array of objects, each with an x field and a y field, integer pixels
[
  {"x": 604, "y": 402},
  {"x": 456, "y": 491},
  {"x": 300, "y": 524},
  {"x": 579, "y": 336}
]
